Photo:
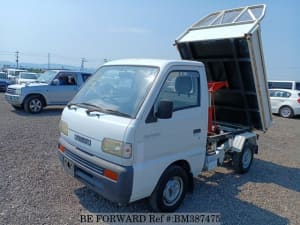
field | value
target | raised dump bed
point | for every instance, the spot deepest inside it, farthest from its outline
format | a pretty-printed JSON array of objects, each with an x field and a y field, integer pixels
[{"x": 229, "y": 43}]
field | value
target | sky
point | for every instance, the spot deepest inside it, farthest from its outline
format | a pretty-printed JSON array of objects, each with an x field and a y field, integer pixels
[{"x": 70, "y": 30}]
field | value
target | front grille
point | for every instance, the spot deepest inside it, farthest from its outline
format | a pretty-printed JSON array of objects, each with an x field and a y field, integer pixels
[
  {"x": 84, "y": 163},
  {"x": 11, "y": 91}
]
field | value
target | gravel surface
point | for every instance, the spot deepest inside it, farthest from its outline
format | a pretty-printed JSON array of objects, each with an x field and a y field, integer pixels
[{"x": 35, "y": 190}]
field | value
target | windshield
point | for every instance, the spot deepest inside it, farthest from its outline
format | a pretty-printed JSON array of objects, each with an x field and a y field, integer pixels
[
  {"x": 27, "y": 75},
  {"x": 47, "y": 77},
  {"x": 117, "y": 89}
]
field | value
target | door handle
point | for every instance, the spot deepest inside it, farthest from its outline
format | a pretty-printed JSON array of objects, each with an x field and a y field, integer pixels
[{"x": 196, "y": 131}]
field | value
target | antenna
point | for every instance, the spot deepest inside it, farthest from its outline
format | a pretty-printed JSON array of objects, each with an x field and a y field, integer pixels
[
  {"x": 83, "y": 60},
  {"x": 17, "y": 58},
  {"x": 48, "y": 61}
]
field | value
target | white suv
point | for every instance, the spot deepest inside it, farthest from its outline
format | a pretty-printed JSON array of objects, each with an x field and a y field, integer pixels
[{"x": 285, "y": 102}]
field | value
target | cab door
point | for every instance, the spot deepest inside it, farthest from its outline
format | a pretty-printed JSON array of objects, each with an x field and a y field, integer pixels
[
  {"x": 183, "y": 136},
  {"x": 65, "y": 90}
]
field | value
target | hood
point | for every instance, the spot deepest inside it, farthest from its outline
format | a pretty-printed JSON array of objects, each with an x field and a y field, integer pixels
[{"x": 19, "y": 86}]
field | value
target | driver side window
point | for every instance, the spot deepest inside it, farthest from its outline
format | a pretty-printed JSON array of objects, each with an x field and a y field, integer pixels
[
  {"x": 182, "y": 88},
  {"x": 67, "y": 79}
]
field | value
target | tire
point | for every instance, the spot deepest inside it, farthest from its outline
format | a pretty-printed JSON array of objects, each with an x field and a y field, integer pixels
[
  {"x": 242, "y": 161},
  {"x": 286, "y": 112},
  {"x": 33, "y": 104},
  {"x": 170, "y": 190}
]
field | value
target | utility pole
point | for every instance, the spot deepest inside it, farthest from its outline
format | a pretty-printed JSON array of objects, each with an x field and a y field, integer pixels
[
  {"x": 48, "y": 61},
  {"x": 83, "y": 60},
  {"x": 17, "y": 58}
]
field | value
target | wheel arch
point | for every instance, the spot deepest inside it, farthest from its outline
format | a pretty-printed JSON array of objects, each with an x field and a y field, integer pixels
[
  {"x": 286, "y": 105},
  {"x": 187, "y": 168},
  {"x": 44, "y": 101}
]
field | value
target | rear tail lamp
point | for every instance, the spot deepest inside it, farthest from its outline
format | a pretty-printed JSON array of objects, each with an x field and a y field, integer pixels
[{"x": 298, "y": 100}]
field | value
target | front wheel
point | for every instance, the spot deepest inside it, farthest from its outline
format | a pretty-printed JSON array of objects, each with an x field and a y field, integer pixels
[
  {"x": 170, "y": 190},
  {"x": 33, "y": 104},
  {"x": 242, "y": 161}
]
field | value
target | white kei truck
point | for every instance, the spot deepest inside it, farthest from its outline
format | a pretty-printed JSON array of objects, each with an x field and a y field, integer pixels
[{"x": 143, "y": 128}]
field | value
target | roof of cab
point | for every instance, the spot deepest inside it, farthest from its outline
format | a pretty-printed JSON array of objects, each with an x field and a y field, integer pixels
[{"x": 152, "y": 62}]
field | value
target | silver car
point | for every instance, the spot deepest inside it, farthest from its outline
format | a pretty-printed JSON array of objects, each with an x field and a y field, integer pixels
[
  {"x": 54, "y": 87},
  {"x": 285, "y": 102}
]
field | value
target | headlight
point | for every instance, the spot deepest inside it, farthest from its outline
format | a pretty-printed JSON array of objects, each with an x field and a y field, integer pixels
[
  {"x": 117, "y": 148},
  {"x": 18, "y": 91},
  {"x": 63, "y": 127}
]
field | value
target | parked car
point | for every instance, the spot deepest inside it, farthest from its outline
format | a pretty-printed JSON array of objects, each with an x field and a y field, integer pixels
[
  {"x": 285, "y": 102},
  {"x": 26, "y": 77},
  {"x": 283, "y": 84},
  {"x": 54, "y": 87},
  {"x": 4, "y": 81},
  {"x": 13, "y": 73}
]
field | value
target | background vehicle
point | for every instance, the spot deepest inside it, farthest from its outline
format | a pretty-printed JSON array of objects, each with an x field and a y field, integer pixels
[
  {"x": 171, "y": 120},
  {"x": 54, "y": 87},
  {"x": 285, "y": 102},
  {"x": 283, "y": 84},
  {"x": 26, "y": 77},
  {"x": 4, "y": 82},
  {"x": 13, "y": 73}
]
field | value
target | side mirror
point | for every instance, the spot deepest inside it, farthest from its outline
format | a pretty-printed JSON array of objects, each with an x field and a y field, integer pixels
[
  {"x": 55, "y": 82},
  {"x": 165, "y": 109}
]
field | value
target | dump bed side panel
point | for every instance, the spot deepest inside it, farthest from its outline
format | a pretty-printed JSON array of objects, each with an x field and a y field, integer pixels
[
  {"x": 258, "y": 65},
  {"x": 236, "y": 57},
  {"x": 230, "y": 60}
]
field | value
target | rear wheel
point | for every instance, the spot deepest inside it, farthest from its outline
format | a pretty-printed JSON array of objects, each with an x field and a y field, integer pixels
[
  {"x": 286, "y": 112},
  {"x": 170, "y": 190},
  {"x": 33, "y": 104},
  {"x": 242, "y": 161}
]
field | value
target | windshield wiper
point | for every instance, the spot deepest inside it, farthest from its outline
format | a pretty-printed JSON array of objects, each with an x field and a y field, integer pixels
[
  {"x": 116, "y": 112},
  {"x": 72, "y": 104},
  {"x": 95, "y": 108},
  {"x": 88, "y": 106}
]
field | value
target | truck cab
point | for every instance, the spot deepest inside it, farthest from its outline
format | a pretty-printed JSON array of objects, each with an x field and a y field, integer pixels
[{"x": 133, "y": 121}]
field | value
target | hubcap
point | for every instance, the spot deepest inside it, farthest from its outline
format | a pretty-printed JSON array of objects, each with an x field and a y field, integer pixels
[
  {"x": 172, "y": 191},
  {"x": 35, "y": 105},
  {"x": 246, "y": 159},
  {"x": 285, "y": 112}
]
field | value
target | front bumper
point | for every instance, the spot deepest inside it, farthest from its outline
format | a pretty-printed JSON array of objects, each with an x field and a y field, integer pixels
[
  {"x": 14, "y": 99},
  {"x": 89, "y": 170}
]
